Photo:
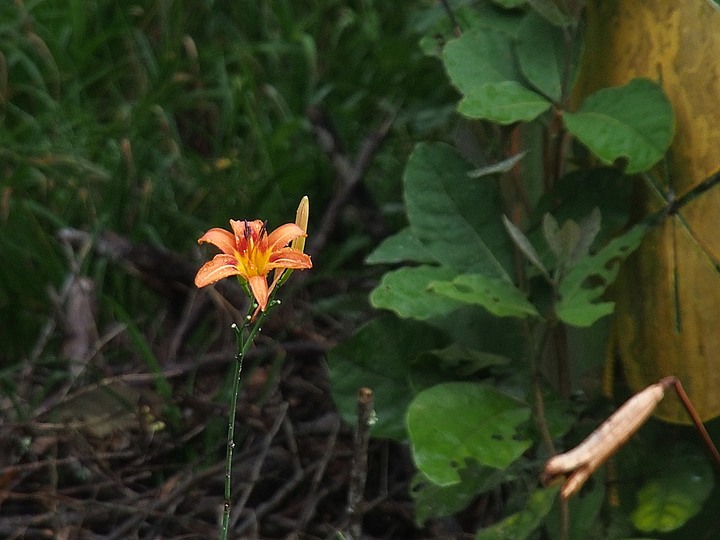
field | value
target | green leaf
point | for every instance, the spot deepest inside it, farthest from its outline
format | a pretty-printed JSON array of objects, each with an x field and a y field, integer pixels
[
  {"x": 633, "y": 122},
  {"x": 455, "y": 218},
  {"x": 572, "y": 241},
  {"x": 498, "y": 296},
  {"x": 478, "y": 57},
  {"x": 407, "y": 292},
  {"x": 578, "y": 193},
  {"x": 503, "y": 336},
  {"x": 510, "y": 4},
  {"x": 551, "y": 12},
  {"x": 503, "y": 102},
  {"x": 500, "y": 167},
  {"x": 583, "y": 519},
  {"x": 400, "y": 247},
  {"x": 379, "y": 356},
  {"x": 521, "y": 524},
  {"x": 432, "y": 500},
  {"x": 463, "y": 361},
  {"x": 585, "y": 283},
  {"x": 451, "y": 363},
  {"x": 667, "y": 502},
  {"x": 453, "y": 423},
  {"x": 542, "y": 56},
  {"x": 524, "y": 245}
]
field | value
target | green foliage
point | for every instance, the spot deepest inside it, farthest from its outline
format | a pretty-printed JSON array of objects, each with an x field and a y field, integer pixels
[
  {"x": 633, "y": 122},
  {"x": 433, "y": 499},
  {"x": 582, "y": 287},
  {"x": 506, "y": 235},
  {"x": 667, "y": 501},
  {"x": 157, "y": 120},
  {"x": 521, "y": 524},
  {"x": 504, "y": 102},
  {"x": 355, "y": 364},
  {"x": 443, "y": 213},
  {"x": 407, "y": 291},
  {"x": 453, "y": 423},
  {"x": 498, "y": 296}
]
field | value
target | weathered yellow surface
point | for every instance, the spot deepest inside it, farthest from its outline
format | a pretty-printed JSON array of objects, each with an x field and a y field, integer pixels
[{"x": 668, "y": 295}]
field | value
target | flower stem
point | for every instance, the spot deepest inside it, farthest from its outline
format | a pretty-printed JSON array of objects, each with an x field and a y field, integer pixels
[{"x": 243, "y": 344}]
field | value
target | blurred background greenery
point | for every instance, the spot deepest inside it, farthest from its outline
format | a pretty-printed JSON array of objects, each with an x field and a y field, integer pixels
[{"x": 158, "y": 119}]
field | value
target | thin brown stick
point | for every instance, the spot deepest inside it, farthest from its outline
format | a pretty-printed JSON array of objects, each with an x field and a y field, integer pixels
[
  {"x": 696, "y": 419},
  {"x": 358, "y": 475}
]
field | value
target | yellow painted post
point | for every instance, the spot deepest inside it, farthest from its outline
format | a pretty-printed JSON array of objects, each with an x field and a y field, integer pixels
[{"x": 667, "y": 320}]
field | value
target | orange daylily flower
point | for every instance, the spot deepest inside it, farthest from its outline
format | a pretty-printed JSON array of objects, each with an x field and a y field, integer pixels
[{"x": 250, "y": 252}]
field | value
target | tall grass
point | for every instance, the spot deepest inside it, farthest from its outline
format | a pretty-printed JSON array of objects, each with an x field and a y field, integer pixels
[{"x": 155, "y": 119}]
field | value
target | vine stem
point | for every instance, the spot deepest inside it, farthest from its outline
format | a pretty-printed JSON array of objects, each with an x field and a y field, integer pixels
[{"x": 242, "y": 345}]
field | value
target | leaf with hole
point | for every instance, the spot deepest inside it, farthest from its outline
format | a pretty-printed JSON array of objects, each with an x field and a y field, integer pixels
[
  {"x": 584, "y": 284},
  {"x": 406, "y": 291},
  {"x": 498, "y": 296},
  {"x": 634, "y": 122},
  {"x": 452, "y": 424}
]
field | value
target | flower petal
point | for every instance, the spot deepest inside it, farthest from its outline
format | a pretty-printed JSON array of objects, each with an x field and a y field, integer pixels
[
  {"x": 289, "y": 258},
  {"x": 220, "y": 238},
  {"x": 259, "y": 287},
  {"x": 221, "y": 266},
  {"x": 283, "y": 235},
  {"x": 240, "y": 227}
]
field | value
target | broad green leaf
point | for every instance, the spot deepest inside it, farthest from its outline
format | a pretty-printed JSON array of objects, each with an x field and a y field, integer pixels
[
  {"x": 551, "y": 12},
  {"x": 542, "y": 55},
  {"x": 407, "y": 292},
  {"x": 432, "y": 500},
  {"x": 456, "y": 218},
  {"x": 585, "y": 283},
  {"x": 478, "y": 57},
  {"x": 503, "y": 336},
  {"x": 453, "y": 423},
  {"x": 464, "y": 361},
  {"x": 452, "y": 363},
  {"x": 666, "y": 503},
  {"x": 379, "y": 356},
  {"x": 400, "y": 247},
  {"x": 509, "y": 4},
  {"x": 521, "y": 524},
  {"x": 633, "y": 122},
  {"x": 503, "y": 102},
  {"x": 498, "y": 296}
]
